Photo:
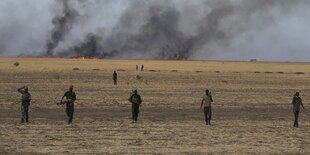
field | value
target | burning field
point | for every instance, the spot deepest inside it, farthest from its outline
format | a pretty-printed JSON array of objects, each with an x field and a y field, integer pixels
[{"x": 252, "y": 111}]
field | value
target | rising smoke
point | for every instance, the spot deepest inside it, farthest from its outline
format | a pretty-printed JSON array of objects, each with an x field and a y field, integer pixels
[
  {"x": 159, "y": 29},
  {"x": 62, "y": 25}
]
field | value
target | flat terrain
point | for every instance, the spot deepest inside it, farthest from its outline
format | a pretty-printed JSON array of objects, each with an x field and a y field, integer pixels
[{"x": 252, "y": 111}]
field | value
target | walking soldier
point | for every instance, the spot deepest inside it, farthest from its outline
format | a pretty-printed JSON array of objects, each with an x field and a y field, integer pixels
[
  {"x": 297, "y": 102},
  {"x": 207, "y": 101},
  {"x": 70, "y": 98},
  {"x": 135, "y": 99},
  {"x": 114, "y": 77}
]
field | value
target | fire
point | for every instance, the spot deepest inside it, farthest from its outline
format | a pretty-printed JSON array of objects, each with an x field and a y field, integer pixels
[{"x": 83, "y": 58}]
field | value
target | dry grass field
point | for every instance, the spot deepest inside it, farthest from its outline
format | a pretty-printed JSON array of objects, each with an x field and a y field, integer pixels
[{"x": 252, "y": 112}]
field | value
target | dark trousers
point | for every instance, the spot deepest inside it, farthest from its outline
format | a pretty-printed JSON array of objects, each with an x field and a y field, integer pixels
[
  {"x": 25, "y": 109},
  {"x": 69, "y": 111},
  {"x": 115, "y": 82},
  {"x": 135, "y": 111},
  {"x": 296, "y": 114},
  {"x": 208, "y": 114}
]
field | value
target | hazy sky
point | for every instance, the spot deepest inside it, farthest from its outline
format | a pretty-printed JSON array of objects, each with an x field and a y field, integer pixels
[{"x": 272, "y": 30}]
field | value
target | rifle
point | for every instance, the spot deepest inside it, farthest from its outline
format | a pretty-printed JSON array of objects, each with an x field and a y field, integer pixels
[{"x": 64, "y": 102}]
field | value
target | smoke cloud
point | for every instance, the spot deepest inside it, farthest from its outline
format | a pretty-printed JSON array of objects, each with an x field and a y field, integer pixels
[
  {"x": 62, "y": 25},
  {"x": 272, "y": 30}
]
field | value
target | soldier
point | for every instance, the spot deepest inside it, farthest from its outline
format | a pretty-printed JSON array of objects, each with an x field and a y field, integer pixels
[
  {"x": 26, "y": 98},
  {"x": 142, "y": 67},
  {"x": 137, "y": 67},
  {"x": 296, "y": 107},
  {"x": 115, "y": 78},
  {"x": 135, "y": 99},
  {"x": 206, "y": 101},
  {"x": 70, "y": 98}
]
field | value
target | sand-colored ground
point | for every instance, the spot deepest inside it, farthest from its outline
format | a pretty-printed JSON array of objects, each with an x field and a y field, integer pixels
[{"x": 252, "y": 109}]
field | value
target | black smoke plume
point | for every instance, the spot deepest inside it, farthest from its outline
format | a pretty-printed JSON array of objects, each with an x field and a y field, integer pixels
[
  {"x": 62, "y": 25},
  {"x": 159, "y": 36},
  {"x": 90, "y": 48}
]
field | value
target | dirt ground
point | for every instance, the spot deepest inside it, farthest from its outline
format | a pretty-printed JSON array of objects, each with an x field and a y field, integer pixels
[{"x": 252, "y": 111}]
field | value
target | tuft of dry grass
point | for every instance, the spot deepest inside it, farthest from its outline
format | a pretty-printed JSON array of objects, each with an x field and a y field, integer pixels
[
  {"x": 224, "y": 81},
  {"x": 56, "y": 76},
  {"x": 268, "y": 72},
  {"x": 154, "y": 70},
  {"x": 299, "y": 73},
  {"x": 16, "y": 64},
  {"x": 139, "y": 77}
]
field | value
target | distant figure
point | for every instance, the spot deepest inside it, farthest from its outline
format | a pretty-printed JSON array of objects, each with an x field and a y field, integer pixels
[
  {"x": 135, "y": 99},
  {"x": 207, "y": 101},
  {"x": 296, "y": 107},
  {"x": 115, "y": 78},
  {"x": 26, "y": 98},
  {"x": 142, "y": 67},
  {"x": 137, "y": 67},
  {"x": 70, "y": 98}
]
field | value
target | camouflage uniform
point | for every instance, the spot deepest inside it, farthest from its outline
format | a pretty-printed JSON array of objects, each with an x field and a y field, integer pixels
[
  {"x": 71, "y": 97},
  {"x": 135, "y": 99},
  {"x": 115, "y": 78},
  {"x": 26, "y": 98},
  {"x": 297, "y": 102},
  {"x": 206, "y": 101}
]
